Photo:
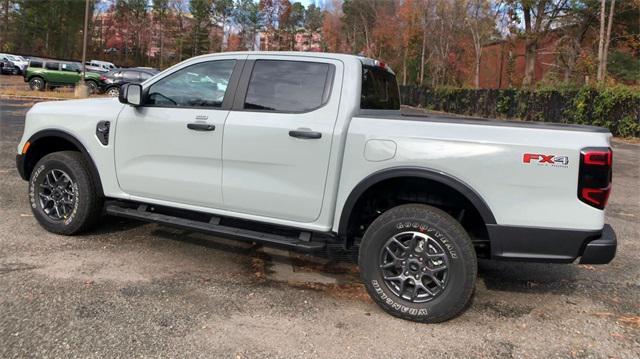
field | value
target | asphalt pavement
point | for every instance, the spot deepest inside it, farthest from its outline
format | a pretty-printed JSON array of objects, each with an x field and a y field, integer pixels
[{"x": 130, "y": 289}]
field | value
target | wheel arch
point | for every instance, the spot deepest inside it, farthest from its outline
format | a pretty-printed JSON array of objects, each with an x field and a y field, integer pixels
[
  {"x": 440, "y": 177},
  {"x": 44, "y": 142}
]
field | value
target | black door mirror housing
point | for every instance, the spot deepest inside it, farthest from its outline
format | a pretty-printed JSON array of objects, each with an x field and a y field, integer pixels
[{"x": 131, "y": 94}]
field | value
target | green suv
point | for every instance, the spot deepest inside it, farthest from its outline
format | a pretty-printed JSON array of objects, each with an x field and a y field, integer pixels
[{"x": 52, "y": 73}]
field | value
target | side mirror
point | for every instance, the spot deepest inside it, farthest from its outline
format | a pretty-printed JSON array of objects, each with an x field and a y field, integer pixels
[{"x": 131, "y": 94}]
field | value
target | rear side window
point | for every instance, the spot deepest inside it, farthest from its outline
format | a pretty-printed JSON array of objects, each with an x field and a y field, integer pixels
[
  {"x": 52, "y": 65},
  {"x": 69, "y": 67},
  {"x": 379, "y": 89},
  {"x": 288, "y": 86},
  {"x": 35, "y": 64}
]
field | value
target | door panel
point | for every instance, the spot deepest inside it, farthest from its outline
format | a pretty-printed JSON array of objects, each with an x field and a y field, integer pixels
[
  {"x": 171, "y": 148},
  {"x": 267, "y": 170}
]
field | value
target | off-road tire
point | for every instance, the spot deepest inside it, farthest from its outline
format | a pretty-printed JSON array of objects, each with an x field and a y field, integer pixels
[
  {"x": 87, "y": 208},
  {"x": 455, "y": 243},
  {"x": 92, "y": 86},
  {"x": 113, "y": 91},
  {"x": 37, "y": 83}
]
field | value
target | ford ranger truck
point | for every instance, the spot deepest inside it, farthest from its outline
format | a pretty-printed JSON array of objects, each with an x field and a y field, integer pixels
[{"x": 310, "y": 152}]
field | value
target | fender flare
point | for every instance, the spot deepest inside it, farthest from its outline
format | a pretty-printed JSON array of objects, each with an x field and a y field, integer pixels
[
  {"x": 68, "y": 137},
  {"x": 417, "y": 172}
]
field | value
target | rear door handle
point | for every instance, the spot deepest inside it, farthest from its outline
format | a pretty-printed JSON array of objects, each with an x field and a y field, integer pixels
[
  {"x": 201, "y": 127},
  {"x": 305, "y": 134}
]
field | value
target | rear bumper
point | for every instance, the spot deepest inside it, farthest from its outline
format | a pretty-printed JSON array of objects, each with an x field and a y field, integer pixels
[
  {"x": 552, "y": 245},
  {"x": 602, "y": 250}
]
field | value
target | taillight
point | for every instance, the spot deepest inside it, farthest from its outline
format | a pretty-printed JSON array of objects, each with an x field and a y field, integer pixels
[
  {"x": 102, "y": 77},
  {"x": 594, "y": 181},
  {"x": 380, "y": 64}
]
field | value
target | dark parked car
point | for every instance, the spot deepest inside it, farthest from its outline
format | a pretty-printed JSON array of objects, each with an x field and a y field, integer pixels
[
  {"x": 7, "y": 67},
  {"x": 112, "y": 80}
]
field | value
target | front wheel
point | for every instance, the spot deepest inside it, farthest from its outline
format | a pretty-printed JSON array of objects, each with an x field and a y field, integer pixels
[
  {"x": 418, "y": 263},
  {"x": 113, "y": 91},
  {"x": 37, "y": 84},
  {"x": 63, "y": 194}
]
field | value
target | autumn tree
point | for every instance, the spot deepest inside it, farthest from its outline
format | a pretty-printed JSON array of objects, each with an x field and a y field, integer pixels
[
  {"x": 358, "y": 22},
  {"x": 44, "y": 27},
  {"x": 247, "y": 18},
  {"x": 481, "y": 22},
  {"x": 200, "y": 11},
  {"x": 291, "y": 20},
  {"x": 538, "y": 16},
  {"x": 332, "y": 29},
  {"x": 312, "y": 20},
  {"x": 410, "y": 27},
  {"x": 179, "y": 8},
  {"x": 161, "y": 10},
  {"x": 222, "y": 14}
]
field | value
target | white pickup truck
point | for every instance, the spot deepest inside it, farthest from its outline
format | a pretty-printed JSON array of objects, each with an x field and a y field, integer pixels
[{"x": 306, "y": 151}]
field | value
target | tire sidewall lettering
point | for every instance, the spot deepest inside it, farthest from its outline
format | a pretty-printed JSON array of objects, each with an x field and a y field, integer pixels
[
  {"x": 395, "y": 305},
  {"x": 432, "y": 231},
  {"x": 34, "y": 202},
  {"x": 75, "y": 205},
  {"x": 32, "y": 186}
]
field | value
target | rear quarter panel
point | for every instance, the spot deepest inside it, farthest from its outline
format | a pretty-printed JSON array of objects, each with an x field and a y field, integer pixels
[{"x": 489, "y": 159}]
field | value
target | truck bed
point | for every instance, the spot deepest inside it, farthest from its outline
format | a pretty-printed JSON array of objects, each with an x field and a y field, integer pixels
[{"x": 417, "y": 115}]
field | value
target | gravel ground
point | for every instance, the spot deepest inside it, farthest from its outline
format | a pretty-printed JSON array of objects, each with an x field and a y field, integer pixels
[{"x": 131, "y": 289}]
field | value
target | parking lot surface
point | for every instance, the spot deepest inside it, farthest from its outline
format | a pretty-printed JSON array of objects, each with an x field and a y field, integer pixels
[{"x": 130, "y": 289}]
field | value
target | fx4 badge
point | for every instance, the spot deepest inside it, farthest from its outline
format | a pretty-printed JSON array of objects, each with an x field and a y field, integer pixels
[{"x": 545, "y": 160}]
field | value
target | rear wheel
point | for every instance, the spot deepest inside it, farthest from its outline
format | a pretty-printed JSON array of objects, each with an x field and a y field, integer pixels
[
  {"x": 63, "y": 194},
  {"x": 418, "y": 263},
  {"x": 92, "y": 86},
  {"x": 37, "y": 83},
  {"x": 113, "y": 91}
]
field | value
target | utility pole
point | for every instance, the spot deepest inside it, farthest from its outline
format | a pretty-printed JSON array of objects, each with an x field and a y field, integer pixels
[
  {"x": 81, "y": 88},
  {"x": 84, "y": 37}
]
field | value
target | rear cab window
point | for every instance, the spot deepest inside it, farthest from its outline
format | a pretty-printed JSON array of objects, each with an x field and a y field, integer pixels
[
  {"x": 379, "y": 89},
  {"x": 288, "y": 86}
]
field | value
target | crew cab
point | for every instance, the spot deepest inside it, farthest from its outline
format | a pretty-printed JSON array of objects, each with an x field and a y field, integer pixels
[{"x": 311, "y": 152}]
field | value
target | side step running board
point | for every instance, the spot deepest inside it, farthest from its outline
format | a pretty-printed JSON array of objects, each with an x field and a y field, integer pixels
[{"x": 212, "y": 227}]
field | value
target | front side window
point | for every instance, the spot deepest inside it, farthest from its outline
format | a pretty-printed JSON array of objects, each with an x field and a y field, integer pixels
[
  {"x": 199, "y": 85},
  {"x": 35, "y": 64},
  {"x": 52, "y": 66},
  {"x": 288, "y": 86}
]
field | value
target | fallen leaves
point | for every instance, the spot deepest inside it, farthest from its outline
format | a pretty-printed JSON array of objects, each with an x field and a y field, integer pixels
[{"x": 633, "y": 320}]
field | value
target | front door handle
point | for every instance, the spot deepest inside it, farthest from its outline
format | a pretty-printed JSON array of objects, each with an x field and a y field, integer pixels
[
  {"x": 201, "y": 127},
  {"x": 305, "y": 134}
]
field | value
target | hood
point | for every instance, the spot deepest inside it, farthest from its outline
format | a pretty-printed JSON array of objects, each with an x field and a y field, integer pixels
[{"x": 80, "y": 109}]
